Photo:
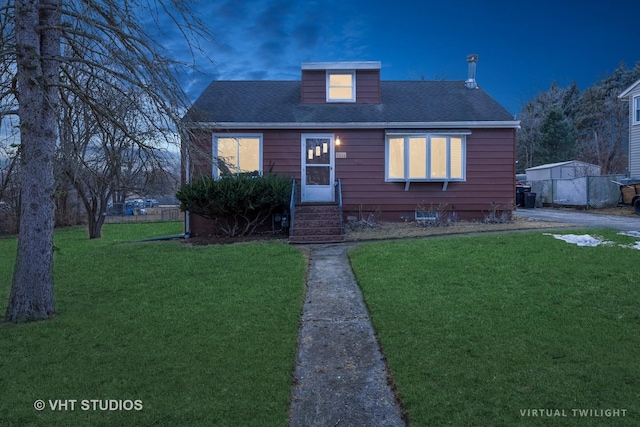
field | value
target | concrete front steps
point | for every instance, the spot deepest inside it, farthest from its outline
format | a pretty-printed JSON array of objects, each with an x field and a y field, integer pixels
[{"x": 317, "y": 223}]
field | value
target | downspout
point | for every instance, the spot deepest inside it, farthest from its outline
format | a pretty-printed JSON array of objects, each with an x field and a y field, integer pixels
[{"x": 187, "y": 179}]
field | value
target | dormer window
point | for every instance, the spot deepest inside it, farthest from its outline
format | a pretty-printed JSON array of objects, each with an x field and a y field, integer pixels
[{"x": 341, "y": 86}]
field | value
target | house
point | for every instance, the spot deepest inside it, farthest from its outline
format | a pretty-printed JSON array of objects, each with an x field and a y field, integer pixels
[
  {"x": 362, "y": 143},
  {"x": 632, "y": 94},
  {"x": 563, "y": 170}
]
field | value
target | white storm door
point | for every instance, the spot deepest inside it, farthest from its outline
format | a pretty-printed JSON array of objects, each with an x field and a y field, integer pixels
[{"x": 317, "y": 168}]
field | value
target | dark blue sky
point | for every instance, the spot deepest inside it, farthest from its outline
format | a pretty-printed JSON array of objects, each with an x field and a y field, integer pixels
[{"x": 523, "y": 46}]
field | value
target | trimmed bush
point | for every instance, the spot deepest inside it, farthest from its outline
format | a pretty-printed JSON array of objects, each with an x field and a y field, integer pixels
[{"x": 236, "y": 204}]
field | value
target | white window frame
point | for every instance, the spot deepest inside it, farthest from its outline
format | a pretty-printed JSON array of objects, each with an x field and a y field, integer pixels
[
  {"x": 352, "y": 73},
  {"x": 428, "y": 136},
  {"x": 635, "y": 110},
  {"x": 215, "y": 172}
]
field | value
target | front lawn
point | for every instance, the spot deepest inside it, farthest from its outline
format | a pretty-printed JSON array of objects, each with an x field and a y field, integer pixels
[
  {"x": 500, "y": 330},
  {"x": 198, "y": 335}
]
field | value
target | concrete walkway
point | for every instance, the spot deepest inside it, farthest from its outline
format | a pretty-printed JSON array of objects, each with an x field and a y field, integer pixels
[{"x": 340, "y": 376}]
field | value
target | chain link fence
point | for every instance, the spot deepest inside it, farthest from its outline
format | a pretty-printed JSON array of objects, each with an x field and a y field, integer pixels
[{"x": 161, "y": 213}]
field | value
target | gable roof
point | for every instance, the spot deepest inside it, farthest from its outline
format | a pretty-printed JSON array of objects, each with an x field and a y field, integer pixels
[
  {"x": 574, "y": 163},
  {"x": 625, "y": 94},
  {"x": 276, "y": 104}
]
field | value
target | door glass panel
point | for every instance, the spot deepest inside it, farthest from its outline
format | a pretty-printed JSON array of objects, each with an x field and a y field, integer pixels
[
  {"x": 318, "y": 175},
  {"x": 317, "y": 151}
]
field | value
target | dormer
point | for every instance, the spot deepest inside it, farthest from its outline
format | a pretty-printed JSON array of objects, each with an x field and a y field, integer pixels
[{"x": 341, "y": 82}]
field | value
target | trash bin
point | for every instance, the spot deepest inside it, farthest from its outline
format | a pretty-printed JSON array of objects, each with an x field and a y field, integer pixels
[
  {"x": 521, "y": 190},
  {"x": 530, "y": 200}
]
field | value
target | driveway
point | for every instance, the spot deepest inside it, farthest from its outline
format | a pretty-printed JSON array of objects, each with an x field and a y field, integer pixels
[{"x": 582, "y": 218}]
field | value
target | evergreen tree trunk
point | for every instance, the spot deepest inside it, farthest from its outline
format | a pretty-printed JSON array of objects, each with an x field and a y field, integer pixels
[{"x": 37, "y": 25}]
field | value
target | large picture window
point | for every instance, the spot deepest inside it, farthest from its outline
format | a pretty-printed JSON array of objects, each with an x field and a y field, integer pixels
[
  {"x": 425, "y": 157},
  {"x": 237, "y": 154}
]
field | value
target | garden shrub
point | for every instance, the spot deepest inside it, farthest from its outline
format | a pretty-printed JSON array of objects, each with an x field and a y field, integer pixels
[{"x": 237, "y": 204}]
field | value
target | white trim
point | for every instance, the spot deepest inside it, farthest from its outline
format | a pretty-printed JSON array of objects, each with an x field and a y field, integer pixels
[
  {"x": 355, "y": 125},
  {"x": 628, "y": 90},
  {"x": 445, "y": 132},
  {"x": 214, "y": 148},
  {"x": 323, "y": 193},
  {"x": 356, "y": 65},
  {"x": 635, "y": 110},
  {"x": 428, "y": 135},
  {"x": 351, "y": 73}
]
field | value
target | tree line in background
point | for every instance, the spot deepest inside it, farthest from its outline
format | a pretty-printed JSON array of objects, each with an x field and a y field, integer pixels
[{"x": 564, "y": 124}]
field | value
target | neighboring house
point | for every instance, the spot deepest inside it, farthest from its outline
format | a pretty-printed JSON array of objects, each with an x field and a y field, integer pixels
[
  {"x": 563, "y": 170},
  {"x": 392, "y": 145},
  {"x": 632, "y": 94}
]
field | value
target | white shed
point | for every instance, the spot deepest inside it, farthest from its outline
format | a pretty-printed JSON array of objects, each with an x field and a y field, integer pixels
[{"x": 563, "y": 170}]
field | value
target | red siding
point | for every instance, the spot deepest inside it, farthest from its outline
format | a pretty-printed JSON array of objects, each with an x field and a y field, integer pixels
[
  {"x": 314, "y": 87},
  {"x": 490, "y": 172},
  {"x": 368, "y": 87}
]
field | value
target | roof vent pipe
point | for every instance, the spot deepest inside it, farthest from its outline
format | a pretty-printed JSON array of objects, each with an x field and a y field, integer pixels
[{"x": 471, "y": 81}]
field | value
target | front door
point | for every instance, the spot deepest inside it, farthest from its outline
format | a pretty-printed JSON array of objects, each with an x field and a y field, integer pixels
[{"x": 317, "y": 168}]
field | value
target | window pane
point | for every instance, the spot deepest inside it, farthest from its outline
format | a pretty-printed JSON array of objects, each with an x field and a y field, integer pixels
[
  {"x": 456, "y": 158},
  {"x": 340, "y": 93},
  {"x": 341, "y": 86},
  {"x": 637, "y": 110},
  {"x": 340, "y": 80},
  {"x": 417, "y": 157},
  {"x": 318, "y": 175},
  {"x": 396, "y": 157},
  {"x": 249, "y": 154},
  {"x": 227, "y": 155},
  {"x": 438, "y": 157}
]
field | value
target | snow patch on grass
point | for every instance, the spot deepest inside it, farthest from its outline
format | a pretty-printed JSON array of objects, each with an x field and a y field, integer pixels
[
  {"x": 580, "y": 239},
  {"x": 588, "y": 240}
]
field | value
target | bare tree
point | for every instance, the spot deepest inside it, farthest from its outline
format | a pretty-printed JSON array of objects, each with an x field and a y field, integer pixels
[
  {"x": 105, "y": 160},
  {"x": 603, "y": 121},
  {"x": 108, "y": 36},
  {"x": 529, "y": 149}
]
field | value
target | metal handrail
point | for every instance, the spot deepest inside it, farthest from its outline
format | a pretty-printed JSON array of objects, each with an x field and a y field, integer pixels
[
  {"x": 339, "y": 191},
  {"x": 292, "y": 205}
]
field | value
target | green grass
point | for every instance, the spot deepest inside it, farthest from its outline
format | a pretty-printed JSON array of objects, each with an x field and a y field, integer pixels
[
  {"x": 201, "y": 335},
  {"x": 477, "y": 329}
]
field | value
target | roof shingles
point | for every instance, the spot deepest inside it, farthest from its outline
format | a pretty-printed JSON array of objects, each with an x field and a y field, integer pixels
[{"x": 273, "y": 102}]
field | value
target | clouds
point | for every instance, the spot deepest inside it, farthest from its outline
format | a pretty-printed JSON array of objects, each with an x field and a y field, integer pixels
[
  {"x": 262, "y": 39},
  {"x": 523, "y": 47}
]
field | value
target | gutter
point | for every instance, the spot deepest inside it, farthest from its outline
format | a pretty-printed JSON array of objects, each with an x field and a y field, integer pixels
[{"x": 499, "y": 124}]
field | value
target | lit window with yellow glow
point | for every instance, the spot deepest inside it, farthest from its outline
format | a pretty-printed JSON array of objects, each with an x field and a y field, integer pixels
[
  {"x": 425, "y": 158},
  {"x": 341, "y": 86},
  {"x": 235, "y": 155}
]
